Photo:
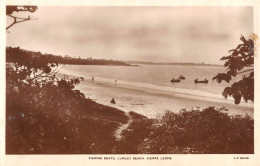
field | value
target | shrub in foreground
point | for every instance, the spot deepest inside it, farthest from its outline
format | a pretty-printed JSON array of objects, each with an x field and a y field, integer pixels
[
  {"x": 46, "y": 115},
  {"x": 210, "y": 131}
]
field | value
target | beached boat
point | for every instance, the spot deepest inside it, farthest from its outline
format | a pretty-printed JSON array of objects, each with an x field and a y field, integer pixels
[{"x": 203, "y": 81}]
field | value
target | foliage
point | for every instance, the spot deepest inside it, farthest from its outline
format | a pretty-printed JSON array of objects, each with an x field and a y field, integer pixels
[
  {"x": 202, "y": 132},
  {"x": 44, "y": 114},
  {"x": 135, "y": 135},
  {"x": 241, "y": 60},
  {"x": 58, "y": 121},
  {"x": 11, "y": 9},
  {"x": 58, "y": 59}
]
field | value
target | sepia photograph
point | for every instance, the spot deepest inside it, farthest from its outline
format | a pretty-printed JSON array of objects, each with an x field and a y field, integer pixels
[{"x": 130, "y": 80}]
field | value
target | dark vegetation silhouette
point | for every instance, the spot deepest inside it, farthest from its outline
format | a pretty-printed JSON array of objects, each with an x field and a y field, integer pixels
[
  {"x": 12, "y": 9},
  {"x": 90, "y": 61},
  {"x": 210, "y": 131},
  {"x": 240, "y": 61},
  {"x": 66, "y": 59},
  {"x": 46, "y": 115}
]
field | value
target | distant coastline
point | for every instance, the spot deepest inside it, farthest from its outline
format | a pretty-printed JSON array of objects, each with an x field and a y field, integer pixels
[
  {"x": 91, "y": 61},
  {"x": 172, "y": 63},
  {"x": 58, "y": 59}
]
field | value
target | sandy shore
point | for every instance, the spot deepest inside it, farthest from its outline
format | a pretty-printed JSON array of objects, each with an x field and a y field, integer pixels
[{"x": 151, "y": 103}]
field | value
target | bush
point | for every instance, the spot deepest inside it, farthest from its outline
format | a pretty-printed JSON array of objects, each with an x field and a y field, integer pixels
[
  {"x": 209, "y": 131},
  {"x": 45, "y": 115},
  {"x": 58, "y": 121}
]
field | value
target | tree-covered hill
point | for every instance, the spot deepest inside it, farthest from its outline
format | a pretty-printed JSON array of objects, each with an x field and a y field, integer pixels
[{"x": 58, "y": 58}]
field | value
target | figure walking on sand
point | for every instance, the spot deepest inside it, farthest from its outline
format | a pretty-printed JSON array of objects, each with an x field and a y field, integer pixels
[
  {"x": 92, "y": 78},
  {"x": 115, "y": 82}
]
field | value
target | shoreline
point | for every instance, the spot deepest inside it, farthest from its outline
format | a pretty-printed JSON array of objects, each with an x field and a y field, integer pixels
[{"x": 151, "y": 103}]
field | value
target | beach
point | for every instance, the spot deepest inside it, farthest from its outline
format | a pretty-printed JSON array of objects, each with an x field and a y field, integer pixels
[
  {"x": 151, "y": 103},
  {"x": 145, "y": 91}
]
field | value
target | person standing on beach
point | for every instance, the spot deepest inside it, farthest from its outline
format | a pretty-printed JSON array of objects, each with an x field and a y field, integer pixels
[
  {"x": 113, "y": 101},
  {"x": 115, "y": 82}
]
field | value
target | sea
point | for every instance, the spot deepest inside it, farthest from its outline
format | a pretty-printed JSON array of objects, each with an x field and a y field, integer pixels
[{"x": 148, "y": 90}]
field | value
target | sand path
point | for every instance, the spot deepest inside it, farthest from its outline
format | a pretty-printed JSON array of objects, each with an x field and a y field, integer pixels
[{"x": 118, "y": 132}]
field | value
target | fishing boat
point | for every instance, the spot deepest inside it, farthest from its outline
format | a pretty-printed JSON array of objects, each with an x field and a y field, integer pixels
[
  {"x": 203, "y": 81},
  {"x": 175, "y": 80},
  {"x": 181, "y": 77}
]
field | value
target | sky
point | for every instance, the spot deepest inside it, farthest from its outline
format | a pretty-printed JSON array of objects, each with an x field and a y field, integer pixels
[{"x": 154, "y": 34}]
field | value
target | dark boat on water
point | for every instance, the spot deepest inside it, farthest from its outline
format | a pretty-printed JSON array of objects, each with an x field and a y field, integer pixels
[
  {"x": 175, "y": 80},
  {"x": 181, "y": 77},
  {"x": 203, "y": 81}
]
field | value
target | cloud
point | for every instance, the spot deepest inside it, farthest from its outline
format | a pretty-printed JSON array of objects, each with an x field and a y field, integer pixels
[{"x": 135, "y": 33}]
